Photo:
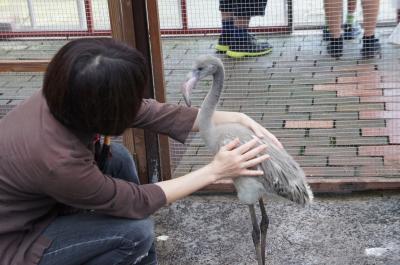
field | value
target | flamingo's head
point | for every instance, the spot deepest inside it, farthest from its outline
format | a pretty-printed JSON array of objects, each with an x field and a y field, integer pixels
[{"x": 204, "y": 65}]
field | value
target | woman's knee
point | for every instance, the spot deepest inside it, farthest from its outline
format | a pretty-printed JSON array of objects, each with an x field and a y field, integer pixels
[
  {"x": 138, "y": 240},
  {"x": 141, "y": 232}
]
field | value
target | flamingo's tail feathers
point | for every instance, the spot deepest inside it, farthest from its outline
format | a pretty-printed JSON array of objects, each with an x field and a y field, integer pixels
[
  {"x": 302, "y": 193},
  {"x": 288, "y": 181},
  {"x": 310, "y": 194},
  {"x": 299, "y": 193}
]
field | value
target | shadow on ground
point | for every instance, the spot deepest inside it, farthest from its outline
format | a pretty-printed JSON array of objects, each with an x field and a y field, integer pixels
[{"x": 358, "y": 229}]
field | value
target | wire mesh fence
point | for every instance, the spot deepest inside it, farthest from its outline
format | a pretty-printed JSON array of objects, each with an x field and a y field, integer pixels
[
  {"x": 41, "y": 17},
  {"x": 34, "y": 30},
  {"x": 335, "y": 115},
  {"x": 334, "y": 109}
]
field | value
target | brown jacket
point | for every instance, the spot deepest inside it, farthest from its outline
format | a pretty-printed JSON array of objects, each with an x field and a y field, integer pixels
[{"x": 42, "y": 163}]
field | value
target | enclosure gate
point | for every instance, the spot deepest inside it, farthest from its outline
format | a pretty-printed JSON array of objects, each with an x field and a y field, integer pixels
[{"x": 338, "y": 118}]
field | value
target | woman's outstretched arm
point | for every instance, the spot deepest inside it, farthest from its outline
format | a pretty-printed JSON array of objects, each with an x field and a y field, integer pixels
[{"x": 231, "y": 161}]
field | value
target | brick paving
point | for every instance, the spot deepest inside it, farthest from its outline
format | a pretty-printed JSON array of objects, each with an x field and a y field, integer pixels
[
  {"x": 334, "y": 116},
  {"x": 338, "y": 118}
]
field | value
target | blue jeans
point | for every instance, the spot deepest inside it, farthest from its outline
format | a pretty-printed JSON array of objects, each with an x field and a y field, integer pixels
[{"x": 94, "y": 239}]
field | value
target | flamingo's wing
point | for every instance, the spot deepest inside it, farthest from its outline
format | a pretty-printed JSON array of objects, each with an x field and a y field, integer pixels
[
  {"x": 226, "y": 133},
  {"x": 284, "y": 176}
]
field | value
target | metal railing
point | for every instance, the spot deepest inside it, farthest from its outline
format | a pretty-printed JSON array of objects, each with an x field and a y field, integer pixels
[
  {"x": 86, "y": 20},
  {"x": 86, "y": 24}
]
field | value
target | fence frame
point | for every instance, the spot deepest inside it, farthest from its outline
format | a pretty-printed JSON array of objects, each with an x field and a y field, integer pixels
[
  {"x": 129, "y": 25},
  {"x": 184, "y": 30}
]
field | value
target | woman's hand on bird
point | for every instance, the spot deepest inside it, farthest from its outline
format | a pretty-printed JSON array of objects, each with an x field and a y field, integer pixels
[
  {"x": 220, "y": 117},
  {"x": 258, "y": 130},
  {"x": 235, "y": 160}
]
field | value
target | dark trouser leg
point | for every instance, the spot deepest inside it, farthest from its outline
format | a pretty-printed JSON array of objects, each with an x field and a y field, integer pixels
[
  {"x": 122, "y": 166},
  {"x": 91, "y": 238}
]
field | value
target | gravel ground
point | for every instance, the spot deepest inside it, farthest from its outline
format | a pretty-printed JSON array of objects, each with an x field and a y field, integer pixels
[{"x": 359, "y": 229}]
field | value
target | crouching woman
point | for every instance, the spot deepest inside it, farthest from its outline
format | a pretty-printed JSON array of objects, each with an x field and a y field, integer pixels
[{"x": 94, "y": 86}]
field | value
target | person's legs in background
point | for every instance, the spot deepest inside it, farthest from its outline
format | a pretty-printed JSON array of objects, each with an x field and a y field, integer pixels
[
  {"x": 235, "y": 38},
  {"x": 333, "y": 14},
  {"x": 351, "y": 29},
  {"x": 91, "y": 238},
  {"x": 227, "y": 32},
  {"x": 351, "y": 9},
  {"x": 371, "y": 46}
]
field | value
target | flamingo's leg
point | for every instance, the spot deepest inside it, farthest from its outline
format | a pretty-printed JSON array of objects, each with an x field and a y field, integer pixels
[
  {"x": 256, "y": 234},
  {"x": 264, "y": 227}
]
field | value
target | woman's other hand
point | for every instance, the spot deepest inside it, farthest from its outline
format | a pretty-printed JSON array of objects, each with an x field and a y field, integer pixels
[{"x": 235, "y": 160}]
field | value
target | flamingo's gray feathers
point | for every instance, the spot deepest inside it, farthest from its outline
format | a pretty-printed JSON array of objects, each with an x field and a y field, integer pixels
[{"x": 282, "y": 174}]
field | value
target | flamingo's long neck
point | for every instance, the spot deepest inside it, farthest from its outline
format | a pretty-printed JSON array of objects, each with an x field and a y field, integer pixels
[{"x": 210, "y": 103}]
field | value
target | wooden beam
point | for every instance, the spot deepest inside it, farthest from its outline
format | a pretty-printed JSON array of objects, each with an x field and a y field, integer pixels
[
  {"x": 326, "y": 185},
  {"x": 338, "y": 185},
  {"x": 158, "y": 80},
  {"x": 131, "y": 23},
  {"x": 23, "y": 65},
  {"x": 123, "y": 29},
  {"x": 143, "y": 44},
  {"x": 121, "y": 20}
]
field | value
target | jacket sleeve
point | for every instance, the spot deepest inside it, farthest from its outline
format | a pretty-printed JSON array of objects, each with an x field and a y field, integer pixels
[
  {"x": 170, "y": 119},
  {"x": 82, "y": 185}
]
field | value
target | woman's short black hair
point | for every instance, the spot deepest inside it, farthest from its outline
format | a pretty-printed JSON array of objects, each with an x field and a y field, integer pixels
[{"x": 95, "y": 85}]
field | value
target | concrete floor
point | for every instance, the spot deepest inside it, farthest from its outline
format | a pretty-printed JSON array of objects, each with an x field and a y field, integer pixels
[{"x": 361, "y": 229}]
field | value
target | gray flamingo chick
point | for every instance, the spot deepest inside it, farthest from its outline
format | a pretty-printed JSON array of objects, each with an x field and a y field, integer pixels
[{"x": 282, "y": 174}]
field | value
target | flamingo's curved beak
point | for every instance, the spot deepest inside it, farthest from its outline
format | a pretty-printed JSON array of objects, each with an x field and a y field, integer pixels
[{"x": 188, "y": 86}]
